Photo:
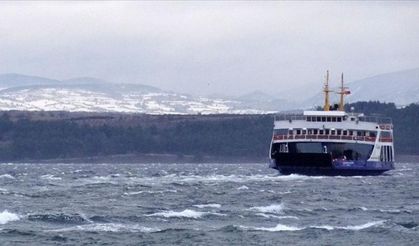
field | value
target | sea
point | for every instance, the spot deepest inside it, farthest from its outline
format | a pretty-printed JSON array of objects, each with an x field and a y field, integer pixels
[{"x": 204, "y": 204}]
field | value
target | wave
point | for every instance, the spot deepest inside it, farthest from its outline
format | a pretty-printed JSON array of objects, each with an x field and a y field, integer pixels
[
  {"x": 180, "y": 179},
  {"x": 108, "y": 227},
  {"x": 149, "y": 192},
  {"x": 273, "y": 209},
  {"x": 276, "y": 216},
  {"x": 282, "y": 227},
  {"x": 210, "y": 205},
  {"x": 6, "y": 217},
  {"x": 50, "y": 177},
  {"x": 389, "y": 211},
  {"x": 6, "y": 176},
  {"x": 243, "y": 187},
  {"x": 59, "y": 218},
  {"x": 187, "y": 213}
]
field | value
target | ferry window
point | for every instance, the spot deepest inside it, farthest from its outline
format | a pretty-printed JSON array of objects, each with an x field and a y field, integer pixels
[
  {"x": 332, "y": 132},
  {"x": 318, "y": 118},
  {"x": 304, "y": 132},
  {"x": 344, "y": 133},
  {"x": 313, "y": 118},
  {"x": 351, "y": 133},
  {"x": 373, "y": 134},
  {"x": 280, "y": 132},
  {"x": 327, "y": 132},
  {"x": 298, "y": 131},
  {"x": 289, "y": 132},
  {"x": 329, "y": 119},
  {"x": 308, "y": 118},
  {"x": 310, "y": 131},
  {"x": 338, "y": 132},
  {"x": 385, "y": 134},
  {"x": 360, "y": 133},
  {"x": 333, "y": 119},
  {"x": 315, "y": 131},
  {"x": 323, "y": 118},
  {"x": 339, "y": 119},
  {"x": 320, "y": 132}
]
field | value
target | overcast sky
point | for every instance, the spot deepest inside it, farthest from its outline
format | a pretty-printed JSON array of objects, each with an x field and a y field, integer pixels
[{"x": 209, "y": 47}]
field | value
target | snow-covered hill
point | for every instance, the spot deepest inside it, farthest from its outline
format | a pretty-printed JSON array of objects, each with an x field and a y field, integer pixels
[
  {"x": 92, "y": 95},
  {"x": 21, "y": 92}
]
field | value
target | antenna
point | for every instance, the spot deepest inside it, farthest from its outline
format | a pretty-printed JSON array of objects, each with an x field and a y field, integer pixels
[
  {"x": 343, "y": 92},
  {"x": 326, "y": 91}
]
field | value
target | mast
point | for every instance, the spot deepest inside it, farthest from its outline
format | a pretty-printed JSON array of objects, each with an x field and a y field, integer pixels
[
  {"x": 343, "y": 92},
  {"x": 326, "y": 91}
]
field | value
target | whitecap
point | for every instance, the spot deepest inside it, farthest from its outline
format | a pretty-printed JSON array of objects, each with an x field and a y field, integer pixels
[
  {"x": 390, "y": 211},
  {"x": 187, "y": 213},
  {"x": 107, "y": 227},
  {"x": 273, "y": 208},
  {"x": 210, "y": 205},
  {"x": 50, "y": 177},
  {"x": 6, "y": 217},
  {"x": 149, "y": 192},
  {"x": 7, "y": 176},
  {"x": 243, "y": 187},
  {"x": 173, "y": 178},
  {"x": 279, "y": 227},
  {"x": 282, "y": 227},
  {"x": 352, "y": 228},
  {"x": 276, "y": 216}
]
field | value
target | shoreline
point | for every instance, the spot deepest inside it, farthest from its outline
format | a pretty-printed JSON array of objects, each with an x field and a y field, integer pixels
[{"x": 172, "y": 159}]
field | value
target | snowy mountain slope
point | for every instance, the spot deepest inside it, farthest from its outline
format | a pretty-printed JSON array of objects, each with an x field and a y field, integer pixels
[
  {"x": 21, "y": 92},
  {"x": 86, "y": 95}
]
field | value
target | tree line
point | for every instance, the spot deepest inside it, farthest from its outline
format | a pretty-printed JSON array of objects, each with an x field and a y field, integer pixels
[{"x": 233, "y": 136}]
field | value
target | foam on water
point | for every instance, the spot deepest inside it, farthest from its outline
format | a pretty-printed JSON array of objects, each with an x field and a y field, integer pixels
[
  {"x": 187, "y": 213},
  {"x": 50, "y": 177},
  {"x": 273, "y": 208},
  {"x": 149, "y": 192},
  {"x": 276, "y": 216},
  {"x": 107, "y": 227},
  {"x": 210, "y": 205},
  {"x": 279, "y": 227},
  {"x": 352, "y": 228},
  {"x": 6, "y": 176},
  {"x": 6, "y": 217},
  {"x": 243, "y": 187},
  {"x": 173, "y": 178},
  {"x": 282, "y": 227}
]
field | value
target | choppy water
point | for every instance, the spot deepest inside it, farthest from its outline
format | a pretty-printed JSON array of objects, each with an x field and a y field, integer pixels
[{"x": 204, "y": 204}]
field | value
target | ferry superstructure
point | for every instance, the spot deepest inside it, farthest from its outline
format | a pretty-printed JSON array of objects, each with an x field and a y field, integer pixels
[{"x": 332, "y": 142}]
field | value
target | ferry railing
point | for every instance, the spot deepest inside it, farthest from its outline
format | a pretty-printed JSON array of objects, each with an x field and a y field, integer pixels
[
  {"x": 330, "y": 137},
  {"x": 373, "y": 119}
]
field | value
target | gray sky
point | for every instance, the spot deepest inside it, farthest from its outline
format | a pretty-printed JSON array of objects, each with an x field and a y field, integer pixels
[{"x": 209, "y": 47}]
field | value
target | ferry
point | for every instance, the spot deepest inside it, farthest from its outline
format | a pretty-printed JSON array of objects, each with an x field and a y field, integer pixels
[{"x": 332, "y": 141}]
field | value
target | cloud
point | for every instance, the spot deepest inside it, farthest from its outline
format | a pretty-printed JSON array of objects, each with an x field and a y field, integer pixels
[{"x": 209, "y": 47}]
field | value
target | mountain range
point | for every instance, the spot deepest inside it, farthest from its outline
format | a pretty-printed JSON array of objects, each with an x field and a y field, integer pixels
[{"x": 22, "y": 92}]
